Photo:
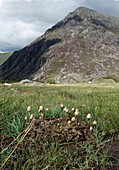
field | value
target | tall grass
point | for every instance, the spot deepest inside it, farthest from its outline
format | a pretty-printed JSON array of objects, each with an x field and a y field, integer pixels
[{"x": 102, "y": 101}]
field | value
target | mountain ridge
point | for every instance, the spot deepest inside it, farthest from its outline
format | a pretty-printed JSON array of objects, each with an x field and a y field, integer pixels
[{"x": 82, "y": 47}]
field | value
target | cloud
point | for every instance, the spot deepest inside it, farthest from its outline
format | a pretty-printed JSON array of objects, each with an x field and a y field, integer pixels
[
  {"x": 23, "y": 21},
  {"x": 17, "y": 34},
  {"x": 109, "y": 7}
]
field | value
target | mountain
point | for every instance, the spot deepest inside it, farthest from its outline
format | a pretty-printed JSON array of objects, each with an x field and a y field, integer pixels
[{"x": 83, "y": 47}]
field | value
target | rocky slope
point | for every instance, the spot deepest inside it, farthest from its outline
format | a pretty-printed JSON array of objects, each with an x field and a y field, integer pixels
[{"x": 83, "y": 47}]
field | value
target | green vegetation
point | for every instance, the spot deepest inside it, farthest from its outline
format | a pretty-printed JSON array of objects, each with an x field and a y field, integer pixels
[
  {"x": 116, "y": 79},
  {"x": 51, "y": 79},
  {"x": 4, "y": 57},
  {"x": 100, "y": 100},
  {"x": 108, "y": 79}
]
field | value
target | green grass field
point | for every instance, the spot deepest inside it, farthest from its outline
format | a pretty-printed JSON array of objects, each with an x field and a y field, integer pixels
[
  {"x": 100, "y": 100},
  {"x": 4, "y": 57}
]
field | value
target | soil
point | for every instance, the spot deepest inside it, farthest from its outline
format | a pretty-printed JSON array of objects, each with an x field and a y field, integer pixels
[{"x": 59, "y": 130}]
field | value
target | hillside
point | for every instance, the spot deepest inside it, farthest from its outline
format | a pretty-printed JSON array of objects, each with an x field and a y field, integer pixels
[
  {"x": 4, "y": 57},
  {"x": 83, "y": 47}
]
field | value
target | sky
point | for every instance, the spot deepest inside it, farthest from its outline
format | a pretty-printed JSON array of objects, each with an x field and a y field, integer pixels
[{"x": 22, "y": 21}]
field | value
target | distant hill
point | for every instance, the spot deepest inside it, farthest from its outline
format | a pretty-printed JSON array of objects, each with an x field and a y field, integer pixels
[
  {"x": 83, "y": 47},
  {"x": 4, "y": 57}
]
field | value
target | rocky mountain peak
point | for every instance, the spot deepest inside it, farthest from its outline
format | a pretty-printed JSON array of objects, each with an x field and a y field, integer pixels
[
  {"x": 83, "y": 12},
  {"x": 79, "y": 15},
  {"x": 83, "y": 47}
]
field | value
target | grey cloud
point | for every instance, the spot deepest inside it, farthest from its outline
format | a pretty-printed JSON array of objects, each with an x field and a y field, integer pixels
[
  {"x": 8, "y": 47},
  {"x": 109, "y": 7}
]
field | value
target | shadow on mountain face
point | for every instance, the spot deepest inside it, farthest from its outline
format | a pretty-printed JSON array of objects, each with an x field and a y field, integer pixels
[{"x": 22, "y": 64}]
